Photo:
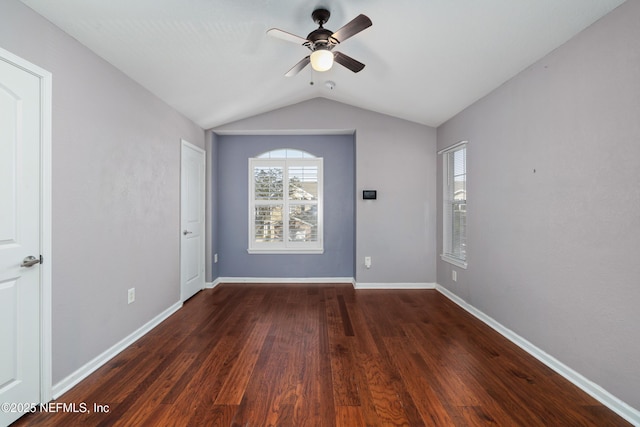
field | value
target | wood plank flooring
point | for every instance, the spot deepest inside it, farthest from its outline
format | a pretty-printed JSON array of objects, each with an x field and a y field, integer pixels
[{"x": 324, "y": 355}]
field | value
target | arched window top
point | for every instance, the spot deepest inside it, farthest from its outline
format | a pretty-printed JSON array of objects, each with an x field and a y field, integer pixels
[{"x": 286, "y": 153}]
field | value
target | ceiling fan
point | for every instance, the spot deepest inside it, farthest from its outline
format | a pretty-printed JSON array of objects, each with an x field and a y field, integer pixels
[{"x": 322, "y": 41}]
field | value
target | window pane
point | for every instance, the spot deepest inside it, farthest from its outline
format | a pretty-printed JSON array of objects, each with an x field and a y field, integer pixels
[
  {"x": 460, "y": 162},
  {"x": 268, "y": 226},
  {"x": 460, "y": 188},
  {"x": 303, "y": 183},
  {"x": 268, "y": 183},
  {"x": 286, "y": 153},
  {"x": 455, "y": 204},
  {"x": 459, "y": 230},
  {"x": 278, "y": 154},
  {"x": 303, "y": 223},
  {"x": 460, "y": 174},
  {"x": 286, "y": 202}
]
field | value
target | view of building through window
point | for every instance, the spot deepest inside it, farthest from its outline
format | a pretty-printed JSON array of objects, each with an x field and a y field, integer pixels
[
  {"x": 455, "y": 205},
  {"x": 286, "y": 201}
]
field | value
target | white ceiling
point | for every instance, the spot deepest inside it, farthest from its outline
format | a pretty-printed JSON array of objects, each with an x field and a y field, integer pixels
[{"x": 426, "y": 60}]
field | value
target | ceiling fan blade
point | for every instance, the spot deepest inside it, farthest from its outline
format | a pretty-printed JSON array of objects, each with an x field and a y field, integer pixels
[
  {"x": 283, "y": 35},
  {"x": 347, "y": 61},
  {"x": 353, "y": 27},
  {"x": 299, "y": 66}
]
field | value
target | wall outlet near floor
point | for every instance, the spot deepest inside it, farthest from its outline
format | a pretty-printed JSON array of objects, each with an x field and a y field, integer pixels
[
  {"x": 454, "y": 275},
  {"x": 367, "y": 261},
  {"x": 215, "y": 258},
  {"x": 131, "y": 295}
]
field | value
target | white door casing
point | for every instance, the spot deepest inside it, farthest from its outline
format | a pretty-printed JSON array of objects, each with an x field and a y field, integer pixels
[
  {"x": 25, "y": 291},
  {"x": 192, "y": 220}
]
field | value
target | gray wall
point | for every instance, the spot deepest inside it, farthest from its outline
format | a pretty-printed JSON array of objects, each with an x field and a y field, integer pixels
[
  {"x": 393, "y": 156},
  {"x": 116, "y": 184},
  {"x": 339, "y": 207},
  {"x": 553, "y": 254},
  {"x": 212, "y": 202}
]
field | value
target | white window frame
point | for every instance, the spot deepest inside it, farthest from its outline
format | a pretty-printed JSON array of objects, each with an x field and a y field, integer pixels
[
  {"x": 286, "y": 246},
  {"x": 448, "y": 252}
]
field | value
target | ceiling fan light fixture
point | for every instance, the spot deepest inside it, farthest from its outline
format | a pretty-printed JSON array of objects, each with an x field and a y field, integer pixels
[{"x": 321, "y": 59}]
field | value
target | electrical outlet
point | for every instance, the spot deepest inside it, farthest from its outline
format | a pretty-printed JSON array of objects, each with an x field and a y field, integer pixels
[
  {"x": 131, "y": 295},
  {"x": 454, "y": 275},
  {"x": 215, "y": 258},
  {"x": 367, "y": 261}
]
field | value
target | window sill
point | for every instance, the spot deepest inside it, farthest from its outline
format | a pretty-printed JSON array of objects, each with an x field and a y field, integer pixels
[
  {"x": 286, "y": 251},
  {"x": 455, "y": 261}
]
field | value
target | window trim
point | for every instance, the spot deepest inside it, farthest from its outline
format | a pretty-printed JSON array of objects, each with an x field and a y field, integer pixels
[
  {"x": 285, "y": 247},
  {"x": 446, "y": 236},
  {"x": 455, "y": 261}
]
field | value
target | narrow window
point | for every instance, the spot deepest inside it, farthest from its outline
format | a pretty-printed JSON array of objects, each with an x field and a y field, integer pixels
[
  {"x": 455, "y": 205},
  {"x": 285, "y": 202}
]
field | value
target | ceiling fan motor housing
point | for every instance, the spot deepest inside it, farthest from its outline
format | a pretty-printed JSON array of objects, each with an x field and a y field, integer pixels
[
  {"x": 321, "y": 37},
  {"x": 320, "y": 16}
]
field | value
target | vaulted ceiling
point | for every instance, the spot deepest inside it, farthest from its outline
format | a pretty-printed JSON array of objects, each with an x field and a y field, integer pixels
[{"x": 426, "y": 60}]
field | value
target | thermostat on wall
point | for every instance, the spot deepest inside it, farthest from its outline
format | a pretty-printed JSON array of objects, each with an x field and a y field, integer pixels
[{"x": 369, "y": 194}]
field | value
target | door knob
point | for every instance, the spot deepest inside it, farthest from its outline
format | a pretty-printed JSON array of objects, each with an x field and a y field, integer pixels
[
  {"x": 30, "y": 261},
  {"x": 185, "y": 232}
]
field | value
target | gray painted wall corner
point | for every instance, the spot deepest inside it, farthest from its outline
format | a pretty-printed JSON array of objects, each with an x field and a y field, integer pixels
[
  {"x": 115, "y": 185},
  {"x": 553, "y": 203},
  {"x": 394, "y": 156}
]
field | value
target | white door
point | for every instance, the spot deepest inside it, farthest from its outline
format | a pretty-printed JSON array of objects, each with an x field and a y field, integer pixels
[
  {"x": 20, "y": 132},
  {"x": 192, "y": 220}
]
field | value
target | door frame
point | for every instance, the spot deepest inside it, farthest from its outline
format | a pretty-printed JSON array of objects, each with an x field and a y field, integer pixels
[
  {"x": 46, "y": 86},
  {"x": 183, "y": 144}
]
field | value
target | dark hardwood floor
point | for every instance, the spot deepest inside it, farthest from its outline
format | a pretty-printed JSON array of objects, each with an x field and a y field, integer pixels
[{"x": 324, "y": 355}]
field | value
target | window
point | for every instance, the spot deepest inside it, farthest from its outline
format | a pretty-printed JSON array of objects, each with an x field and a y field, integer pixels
[
  {"x": 455, "y": 204},
  {"x": 285, "y": 202}
]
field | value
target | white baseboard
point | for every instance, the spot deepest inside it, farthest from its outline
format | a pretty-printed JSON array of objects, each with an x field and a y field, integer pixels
[
  {"x": 73, "y": 379},
  {"x": 361, "y": 285},
  {"x": 283, "y": 280},
  {"x": 621, "y": 408},
  {"x": 211, "y": 285},
  {"x": 293, "y": 280}
]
